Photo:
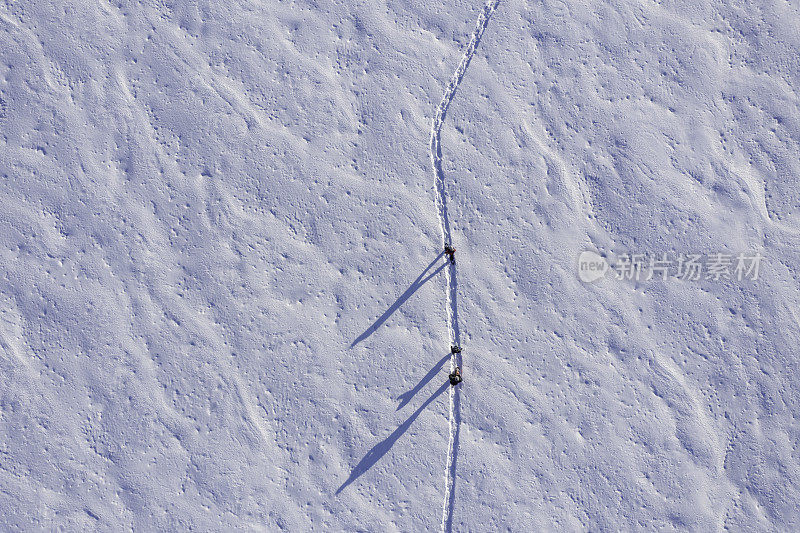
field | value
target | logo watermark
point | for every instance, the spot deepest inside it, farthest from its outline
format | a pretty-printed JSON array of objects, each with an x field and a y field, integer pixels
[
  {"x": 591, "y": 266},
  {"x": 664, "y": 266}
]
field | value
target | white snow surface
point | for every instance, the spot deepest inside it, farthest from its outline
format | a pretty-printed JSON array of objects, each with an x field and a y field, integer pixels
[{"x": 223, "y": 296}]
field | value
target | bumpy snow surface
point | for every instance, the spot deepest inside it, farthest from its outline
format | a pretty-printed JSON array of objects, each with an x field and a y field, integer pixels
[{"x": 224, "y": 304}]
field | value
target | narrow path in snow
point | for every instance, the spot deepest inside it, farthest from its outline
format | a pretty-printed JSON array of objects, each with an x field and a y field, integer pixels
[{"x": 452, "y": 286}]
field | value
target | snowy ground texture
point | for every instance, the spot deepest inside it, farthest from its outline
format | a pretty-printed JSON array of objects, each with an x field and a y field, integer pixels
[{"x": 223, "y": 304}]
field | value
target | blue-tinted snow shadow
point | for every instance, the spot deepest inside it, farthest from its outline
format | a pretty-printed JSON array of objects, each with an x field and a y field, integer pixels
[
  {"x": 419, "y": 282},
  {"x": 406, "y": 396},
  {"x": 380, "y": 449}
]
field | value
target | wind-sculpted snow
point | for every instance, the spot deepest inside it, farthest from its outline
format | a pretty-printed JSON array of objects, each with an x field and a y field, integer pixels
[
  {"x": 221, "y": 270},
  {"x": 451, "y": 296}
]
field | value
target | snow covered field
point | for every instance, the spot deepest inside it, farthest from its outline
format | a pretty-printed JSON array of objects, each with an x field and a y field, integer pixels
[{"x": 224, "y": 304}]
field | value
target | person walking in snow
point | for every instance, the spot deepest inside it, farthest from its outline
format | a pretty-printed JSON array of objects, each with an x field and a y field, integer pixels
[
  {"x": 450, "y": 252},
  {"x": 455, "y": 377}
]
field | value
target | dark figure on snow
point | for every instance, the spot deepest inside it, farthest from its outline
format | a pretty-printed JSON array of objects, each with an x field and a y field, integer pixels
[
  {"x": 451, "y": 252},
  {"x": 455, "y": 349},
  {"x": 455, "y": 377}
]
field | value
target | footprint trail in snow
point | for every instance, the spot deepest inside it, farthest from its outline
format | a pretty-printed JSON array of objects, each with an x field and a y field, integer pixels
[{"x": 452, "y": 287}]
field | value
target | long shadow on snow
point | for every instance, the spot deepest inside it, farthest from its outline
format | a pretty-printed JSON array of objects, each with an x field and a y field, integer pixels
[
  {"x": 380, "y": 449},
  {"x": 406, "y": 396},
  {"x": 419, "y": 282}
]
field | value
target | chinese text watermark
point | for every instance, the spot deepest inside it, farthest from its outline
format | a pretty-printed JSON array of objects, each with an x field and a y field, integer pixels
[{"x": 664, "y": 266}]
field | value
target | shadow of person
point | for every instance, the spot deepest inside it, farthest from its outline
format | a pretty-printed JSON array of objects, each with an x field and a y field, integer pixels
[
  {"x": 380, "y": 449},
  {"x": 406, "y": 396},
  {"x": 419, "y": 282}
]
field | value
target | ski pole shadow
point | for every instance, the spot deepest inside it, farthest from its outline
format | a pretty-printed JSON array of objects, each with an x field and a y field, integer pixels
[
  {"x": 406, "y": 396},
  {"x": 419, "y": 282},
  {"x": 380, "y": 449}
]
